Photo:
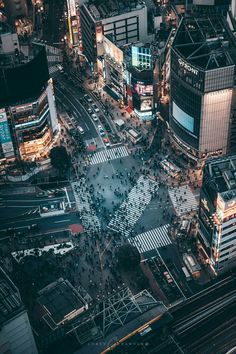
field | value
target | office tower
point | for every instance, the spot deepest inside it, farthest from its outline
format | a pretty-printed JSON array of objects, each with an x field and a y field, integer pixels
[
  {"x": 16, "y": 334},
  {"x": 127, "y": 23},
  {"x": 202, "y": 87},
  {"x": 217, "y": 212},
  {"x": 28, "y": 118}
]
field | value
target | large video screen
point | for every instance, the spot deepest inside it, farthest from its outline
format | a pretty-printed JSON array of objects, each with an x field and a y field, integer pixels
[
  {"x": 183, "y": 118},
  {"x": 25, "y": 81}
]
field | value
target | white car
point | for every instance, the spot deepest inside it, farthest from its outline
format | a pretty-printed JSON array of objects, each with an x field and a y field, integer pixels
[
  {"x": 101, "y": 130},
  {"x": 96, "y": 109},
  {"x": 95, "y": 117},
  {"x": 88, "y": 98},
  {"x": 89, "y": 110}
]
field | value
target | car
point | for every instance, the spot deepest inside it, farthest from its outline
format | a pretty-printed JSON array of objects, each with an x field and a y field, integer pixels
[
  {"x": 106, "y": 142},
  {"x": 113, "y": 138},
  {"x": 41, "y": 195},
  {"x": 33, "y": 227},
  {"x": 95, "y": 117},
  {"x": 88, "y": 98},
  {"x": 101, "y": 130},
  {"x": 80, "y": 129},
  {"x": 96, "y": 109},
  {"x": 89, "y": 110},
  {"x": 59, "y": 193},
  {"x": 107, "y": 127}
]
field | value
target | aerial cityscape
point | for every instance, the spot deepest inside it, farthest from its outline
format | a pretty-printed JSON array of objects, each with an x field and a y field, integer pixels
[{"x": 117, "y": 176}]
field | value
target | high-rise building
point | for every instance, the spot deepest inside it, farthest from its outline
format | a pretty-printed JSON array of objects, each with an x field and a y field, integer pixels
[
  {"x": 28, "y": 118},
  {"x": 128, "y": 75},
  {"x": 202, "y": 119},
  {"x": 217, "y": 212},
  {"x": 16, "y": 334},
  {"x": 126, "y": 22},
  {"x": 15, "y": 8}
]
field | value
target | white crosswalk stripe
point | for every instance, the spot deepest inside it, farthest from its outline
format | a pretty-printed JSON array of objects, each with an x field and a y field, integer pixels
[
  {"x": 84, "y": 202},
  {"x": 31, "y": 212},
  {"x": 183, "y": 199},
  {"x": 54, "y": 58},
  {"x": 53, "y": 69},
  {"x": 152, "y": 239},
  {"x": 132, "y": 208},
  {"x": 106, "y": 155},
  {"x": 55, "y": 190}
]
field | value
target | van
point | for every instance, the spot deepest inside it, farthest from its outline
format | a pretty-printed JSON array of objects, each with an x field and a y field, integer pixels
[{"x": 80, "y": 129}]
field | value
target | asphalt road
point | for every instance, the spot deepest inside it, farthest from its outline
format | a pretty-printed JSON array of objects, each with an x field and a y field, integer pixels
[
  {"x": 26, "y": 205},
  {"x": 52, "y": 26},
  {"x": 46, "y": 224},
  {"x": 69, "y": 96}
]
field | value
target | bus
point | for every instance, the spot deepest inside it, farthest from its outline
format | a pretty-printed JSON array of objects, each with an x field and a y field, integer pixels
[{"x": 186, "y": 273}]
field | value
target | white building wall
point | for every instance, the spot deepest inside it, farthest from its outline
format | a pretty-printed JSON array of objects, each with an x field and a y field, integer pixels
[
  {"x": 233, "y": 8},
  {"x": 215, "y": 118},
  {"x": 119, "y": 20},
  {"x": 52, "y": 106},
  {"x": 9, "y": 43},
  {"x": 16, "y": 336}
]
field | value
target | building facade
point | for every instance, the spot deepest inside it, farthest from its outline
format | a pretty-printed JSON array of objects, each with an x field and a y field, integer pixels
[
  {"x": 217, "y": 213},
  {"x": 16, "y": 334},
  {"x": 28, "y": 118},
  {"x": 202, "y": 87},
  {"x": 16, "y": 8},
  {"x": 125, "y": 23}
]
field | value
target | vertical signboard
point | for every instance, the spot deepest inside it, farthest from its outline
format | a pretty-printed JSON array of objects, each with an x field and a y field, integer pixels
[{"x": 5, "y": 135}]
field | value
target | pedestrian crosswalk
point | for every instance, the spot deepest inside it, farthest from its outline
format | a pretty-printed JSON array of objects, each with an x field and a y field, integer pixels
[
  {"x": 152, "y": 239},
  {"x": 54, "y": 58},
  {"x": 84, "y": 205},
  {"x": 107, "y": 155},
  {"x": 31, "y": 212},
  {"x": 183, "y": 199},
  {"x": 53, "y": 69},
  {"x": 132, "y": 208}
]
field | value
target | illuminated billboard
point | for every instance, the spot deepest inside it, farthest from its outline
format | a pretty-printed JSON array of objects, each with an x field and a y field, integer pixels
[
  {"x": 113, "y": 51},
  {"x": 183, "y": 118},
  {"x": 146, "y": 103},
  {"x": 142, "y": 89},
  {"x": 71, "y": 8},
  {"x": 141, "y": 57},
  {"x": 5, "y": 135}
]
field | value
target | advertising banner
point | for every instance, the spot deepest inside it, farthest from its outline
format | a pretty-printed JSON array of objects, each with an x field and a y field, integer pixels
[{"x": 5, "y": 135}]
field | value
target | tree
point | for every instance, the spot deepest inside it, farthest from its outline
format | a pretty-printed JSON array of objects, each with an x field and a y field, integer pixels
[
  {"x": 128, "y": 257},
  {"x": 60, "y": 158}
]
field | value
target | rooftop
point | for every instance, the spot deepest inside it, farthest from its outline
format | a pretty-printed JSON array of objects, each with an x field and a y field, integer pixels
[
  {"x": 205, "y": 42},
  {"x": 110, "y": 8},
  {"x": 122, "y": 315},
  {"x": 221, "y": 172},
  {"x": 59, "y": 299},
  {"x": 5, "y": 28},
  {"x": 10, "y": 301}
]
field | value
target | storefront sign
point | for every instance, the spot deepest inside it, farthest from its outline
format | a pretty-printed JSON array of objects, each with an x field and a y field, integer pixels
[{"x": 187, "y": 67}]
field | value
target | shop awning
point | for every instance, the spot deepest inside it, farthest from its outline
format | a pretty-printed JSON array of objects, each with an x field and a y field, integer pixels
[{"x": 128, "y": 109}]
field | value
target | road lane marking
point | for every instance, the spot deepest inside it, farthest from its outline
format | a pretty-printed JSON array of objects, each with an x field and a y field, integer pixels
[
  {"x": 67, "y": 196},
  {"x": 56, "y": 222}
]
